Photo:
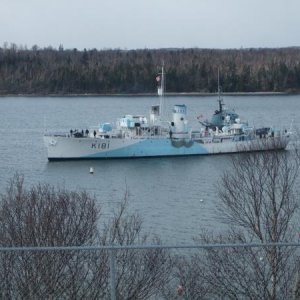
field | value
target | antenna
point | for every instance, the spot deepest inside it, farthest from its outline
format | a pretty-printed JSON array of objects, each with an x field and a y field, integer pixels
[
  {"x": 161, "y": 91},
  {"x": 219, "y": 89},
  {"x": 219, "y": 93},
  {"x": 161, "y": 104}
]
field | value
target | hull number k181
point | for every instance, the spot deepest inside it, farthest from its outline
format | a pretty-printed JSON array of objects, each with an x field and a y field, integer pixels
[{"x": 100, "y": 145}]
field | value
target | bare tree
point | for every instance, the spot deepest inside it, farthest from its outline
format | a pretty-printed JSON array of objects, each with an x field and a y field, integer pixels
[
  {"x": 141, "y": 273},
  {"x": 45, "y": 216},
  {"x": 259, "y": 204},
  {"x": 42, "y": 216}
]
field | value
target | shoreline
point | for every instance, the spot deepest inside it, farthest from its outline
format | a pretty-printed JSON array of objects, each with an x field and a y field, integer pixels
[{"x": 170, "y": 94}]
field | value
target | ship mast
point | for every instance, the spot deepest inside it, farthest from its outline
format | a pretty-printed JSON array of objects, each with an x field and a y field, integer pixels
[
  {"x": 220, "y": 100},
  {"x": 161, "y": 92}
]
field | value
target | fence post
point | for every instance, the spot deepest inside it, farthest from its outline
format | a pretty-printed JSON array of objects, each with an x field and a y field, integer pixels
[{"x": 112, "y": 256}]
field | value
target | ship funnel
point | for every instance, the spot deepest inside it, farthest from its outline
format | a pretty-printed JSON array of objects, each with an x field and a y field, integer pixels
[{"x": 179, "y": 118}]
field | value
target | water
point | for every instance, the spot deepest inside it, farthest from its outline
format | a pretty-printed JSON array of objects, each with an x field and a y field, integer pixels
[{"x": 176, "y": 197}]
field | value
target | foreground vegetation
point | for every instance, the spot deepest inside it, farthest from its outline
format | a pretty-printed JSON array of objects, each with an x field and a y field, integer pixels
[
  {"x": 51, "y": 71},
  {"x": 259, "y": 203},
  {"x": 44, "y": 216}
]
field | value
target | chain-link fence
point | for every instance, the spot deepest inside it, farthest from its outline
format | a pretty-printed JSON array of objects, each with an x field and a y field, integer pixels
[{"x": 211, "y": 271}]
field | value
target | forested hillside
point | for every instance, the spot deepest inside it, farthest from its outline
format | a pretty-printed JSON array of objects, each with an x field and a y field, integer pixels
[{"x": 51, "y": 71}]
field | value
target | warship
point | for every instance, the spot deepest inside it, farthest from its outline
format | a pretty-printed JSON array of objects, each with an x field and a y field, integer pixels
[{"x": 134, "y": 136}]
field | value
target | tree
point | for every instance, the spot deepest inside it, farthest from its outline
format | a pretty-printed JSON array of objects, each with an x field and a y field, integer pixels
[
  {"x": 44, "y": 216},
  {"x": 50, "y": 70},
  {"x": 258, "y": 203},
  {"x": 140, "y": 273}
]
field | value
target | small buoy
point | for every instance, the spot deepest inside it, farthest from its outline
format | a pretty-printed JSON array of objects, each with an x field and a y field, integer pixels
[
  {"x": 201, "y": 200},
  {"x": 91, "y": 170},
  {"x": 261, "y": 259}
]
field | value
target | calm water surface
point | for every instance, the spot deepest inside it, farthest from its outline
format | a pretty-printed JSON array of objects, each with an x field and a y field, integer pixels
[{"x": 176, "y": 197}]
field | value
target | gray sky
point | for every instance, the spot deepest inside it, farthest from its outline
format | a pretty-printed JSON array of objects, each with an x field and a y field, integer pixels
[{"x": 132, "y": 24}]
